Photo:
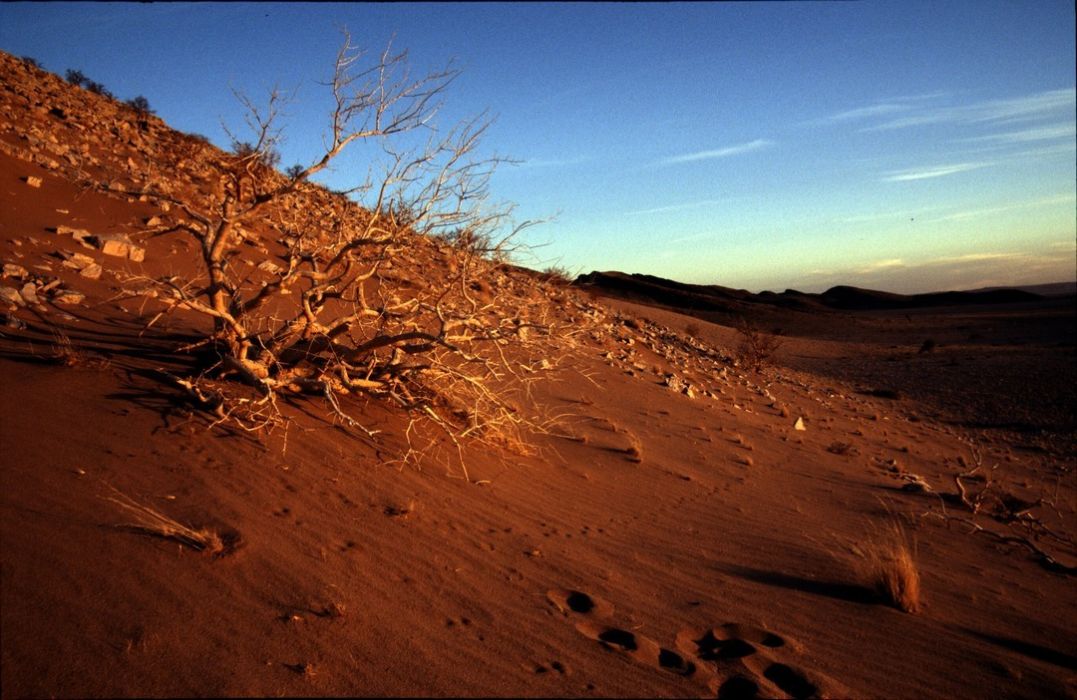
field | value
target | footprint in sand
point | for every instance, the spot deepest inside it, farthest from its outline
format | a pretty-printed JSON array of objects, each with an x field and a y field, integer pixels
[
  {"x": 732, "y": 660},
  {"x": 750, "y": 662},
  {"x": 637, "y": 647}
]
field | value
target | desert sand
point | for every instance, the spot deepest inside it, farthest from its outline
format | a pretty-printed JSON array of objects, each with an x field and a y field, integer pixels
[{"x": 686, "y": 527}]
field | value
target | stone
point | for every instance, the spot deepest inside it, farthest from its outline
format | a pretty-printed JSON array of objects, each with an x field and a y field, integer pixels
[
  {"x": 76, "y": 261},
  {"x": 92, "y": 271},
  {"x": 11, "y": 296},
  {"x": 13, "y": 270},
  {"x": 29, "y": 293},
  {"x": 68, "y": 296},
  {"x": 120, "y": 246},
  {"x": 33, "y": 181},
  {"x": 153, "y": 221},
  {"x": 799, "y": 425},
  {"x": 79, "y": 234}
]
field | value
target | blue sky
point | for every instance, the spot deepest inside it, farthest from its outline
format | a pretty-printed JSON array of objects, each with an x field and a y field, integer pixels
[{"x": 897, "y": 145}]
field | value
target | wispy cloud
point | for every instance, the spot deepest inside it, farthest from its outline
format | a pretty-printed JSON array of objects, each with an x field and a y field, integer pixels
[
  {"x": 674, "y": 207},
  {"x": 881, "y": 107},
  {"x": 930, "y": 172},
  {"x": 1068, "y": 198},
  {"x": 1038, "y": 133},
  {"x": 966, "y": 271},
  {"x": 878, "y": 265},
  {"x": 1042, "y": 105},
  {"x": 881, "y": 216},
  {"x": 551, "y": 162},
  {"x": 874, "y": 110},
  {"x": 726, "y": 152}
]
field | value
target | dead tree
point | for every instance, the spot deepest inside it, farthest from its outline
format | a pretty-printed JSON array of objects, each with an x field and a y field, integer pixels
[{"x": 329, "y": 320}]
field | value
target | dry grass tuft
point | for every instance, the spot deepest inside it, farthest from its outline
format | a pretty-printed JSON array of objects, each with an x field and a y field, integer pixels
[
  {"x": 890, "y": 570},
  {"x": 152, "y": 522}
]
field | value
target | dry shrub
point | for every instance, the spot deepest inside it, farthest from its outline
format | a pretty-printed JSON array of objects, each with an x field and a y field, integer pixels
[
  {"x": 756, "y": 348},
  {"x": 337, "y": 311},
  {"x": 557, "y": 275},
  {"x": 890, "y": 570}
]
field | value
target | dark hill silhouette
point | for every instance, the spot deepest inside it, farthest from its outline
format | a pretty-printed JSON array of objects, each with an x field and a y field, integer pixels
[{"x": 697, "y": 297}]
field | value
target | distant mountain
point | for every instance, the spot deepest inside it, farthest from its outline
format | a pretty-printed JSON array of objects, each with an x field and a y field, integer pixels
[
  {"x": 1054, "y": 289},
  {"x": 698, "y": 297}
]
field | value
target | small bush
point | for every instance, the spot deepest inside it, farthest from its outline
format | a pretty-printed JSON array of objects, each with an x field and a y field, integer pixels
[
  {"x": 32, "y": 62},
  {"x": 269, "y": 157},
  {"x": 294, "y": 171},
  {"x": 141, "y": 106},
  {"x": 76, "y": 77},
  {"x": 98, "y": 89},
  {"x": 841, "y": 448},
  {"x": 557, "y": 274},
  {"x": 756, "y": 349}
]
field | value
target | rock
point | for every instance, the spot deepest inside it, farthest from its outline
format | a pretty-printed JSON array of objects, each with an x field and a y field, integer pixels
[
  {"x": 33, "y": 181},
  {"x": 269, "y": 266},
  {"x": 79, "y": 234},
  {"x": 92, "y": 271},
  {"x": 120, "y": 246},
  {"x": 799, "y": 425},
  {"x": 153, "y": 221},
  {"x": 13, "y": 270},
  {"x": 69, "y": 296},
  {"x": 11, "y": 296},
  {"x": 674, "y": 382},
  {"x": 29, "y": 293},
  {"x": 76, "y": 261}
]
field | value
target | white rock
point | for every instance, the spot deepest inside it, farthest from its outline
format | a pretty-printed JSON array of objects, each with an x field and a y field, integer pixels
[
  {"x": 13, "y": 270},
  {"x": 92, "y": 271},
  {"x": 33, "y": 181},
  {"x": 69, "y": 296},
  {"x": 799, "y": 425}
]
